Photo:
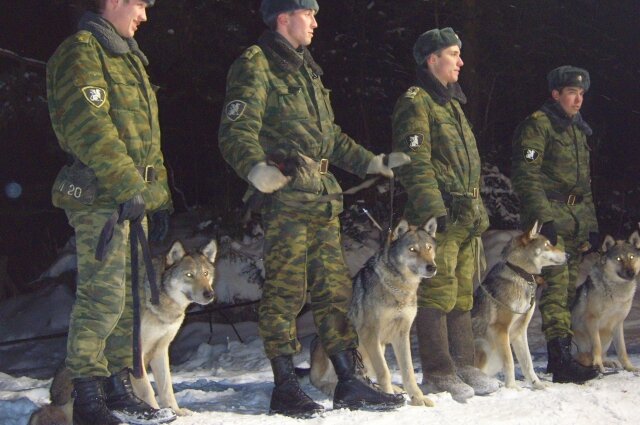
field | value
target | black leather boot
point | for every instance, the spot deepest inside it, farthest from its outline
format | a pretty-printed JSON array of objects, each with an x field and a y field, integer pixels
[
  {"x": 562, "y": 364},
  {"x": 125, "y": 405},
  {"x": 89, "y": 407},
  {"x": 356, "y": 391},
  {"x": 287, "y": 397}
]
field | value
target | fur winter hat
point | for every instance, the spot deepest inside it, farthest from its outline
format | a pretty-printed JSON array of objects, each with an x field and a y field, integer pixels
[
  {"x": 568, "y": 76},
  {"x": 432, "y": 41},
  {"x": 270, "y": 9}
]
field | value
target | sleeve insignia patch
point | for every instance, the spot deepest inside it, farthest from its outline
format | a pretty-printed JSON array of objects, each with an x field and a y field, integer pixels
[
  {"x": 530, "y": 155},
  {"x": 96, "y": 96},
  {"x": 414, "y": 141},
  {"x": 235, "y": 109}
]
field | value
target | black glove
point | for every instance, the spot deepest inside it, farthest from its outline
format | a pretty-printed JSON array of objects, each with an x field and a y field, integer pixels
[
  {"x": 159, "y": 225},
  {"x": 442, "y": 224},
  {"x": 548, "y": 230},
  {"x": 132, "y": 210},
  {"x": 594, "y": 243}
]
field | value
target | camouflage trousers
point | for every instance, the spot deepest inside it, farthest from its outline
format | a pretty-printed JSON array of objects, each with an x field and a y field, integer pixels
[
  {"x": 303, "y": 253},
  {"x": 101, "y": 323},
  {"x": 556, "y": 299},
  {"x": 458, "y": 252}
]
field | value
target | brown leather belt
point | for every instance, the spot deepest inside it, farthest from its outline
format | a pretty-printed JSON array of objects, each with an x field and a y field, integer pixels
[{"x": 569, "y": 199}]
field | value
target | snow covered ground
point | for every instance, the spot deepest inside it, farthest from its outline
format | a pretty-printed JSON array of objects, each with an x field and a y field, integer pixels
[{"x": 224, "y": 379}]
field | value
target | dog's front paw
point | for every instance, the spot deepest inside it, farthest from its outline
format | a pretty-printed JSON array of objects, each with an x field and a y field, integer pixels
[
  {"x": 421, "y": 400},
  {"x": 512, "y": 386},
  {"x": 183, "y": 411},
  {"x": 631, "y": 368},
  {"x": 539, "y": 385},
  {"x": 611, "y": 364}
]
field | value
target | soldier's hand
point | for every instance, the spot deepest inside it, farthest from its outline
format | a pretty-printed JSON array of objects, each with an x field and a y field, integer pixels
[
  {"x": 267, "y": 178},
  {"x": 131, "y": 210},
  {"x": 383, "y": 164},
  {"x": 442, "y": 224},
  {"x": 159, "y": 226},
  {"x": 548, "y": 230}
]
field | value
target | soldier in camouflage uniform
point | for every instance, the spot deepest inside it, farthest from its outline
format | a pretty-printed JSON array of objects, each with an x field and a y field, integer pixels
[
  {"x": 104, "y": 113},
  {"x": 552, "y": 178},
  {"x": 443, "y": 181},
  {"x": 278, "y": 112}
]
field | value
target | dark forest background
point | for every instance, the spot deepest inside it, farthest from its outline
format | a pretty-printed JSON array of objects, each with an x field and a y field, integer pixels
[{"x": 364, "y": 47}]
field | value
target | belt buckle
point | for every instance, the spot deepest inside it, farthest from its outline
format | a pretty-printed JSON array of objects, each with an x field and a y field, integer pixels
[
  {"x": 571, "y": 200},
  {"x": 475, "y": 193},
  {"x": 147, "y": 170},
  {"x": 324, "y": 166}
]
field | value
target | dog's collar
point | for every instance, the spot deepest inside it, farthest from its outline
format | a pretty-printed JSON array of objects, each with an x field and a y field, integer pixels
[{"x": 522, "y": 273}]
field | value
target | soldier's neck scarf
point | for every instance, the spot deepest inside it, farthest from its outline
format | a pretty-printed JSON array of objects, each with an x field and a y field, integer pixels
[
  {"x": 438, "y": 92},
  {"x": 559, "y": 117},
  {"x": 278, "y": 50},
  {"x": 108, "y": 38}
]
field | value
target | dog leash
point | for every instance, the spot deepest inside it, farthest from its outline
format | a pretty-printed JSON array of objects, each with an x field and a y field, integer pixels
[{"x": 136, "y": 236}]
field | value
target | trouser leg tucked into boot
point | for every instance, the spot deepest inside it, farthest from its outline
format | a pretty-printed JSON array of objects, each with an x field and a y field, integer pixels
[
  {"x": 125, "y": 405},
  {"x": 562, "y": 364},
  {"x": 89, "y": 407},
  {"x": 356, "y": 391},
  {"x": 462, "y": 348},
  {"x": 287, "y": 397},
  {"x": 438, "y": 369}
]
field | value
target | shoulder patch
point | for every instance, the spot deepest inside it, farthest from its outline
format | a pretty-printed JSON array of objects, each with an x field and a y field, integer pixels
[
  {"x": 414, "y": 141},
  {"x": 235, "y": 109},
  {"x": 530, "y": 155},
  {"x": 96, "y": 96},
  {"x": 411, "y": 92},
  {"x": 537, "y": 115},
  {"x": 83, "y": 36},
  {"x": 251, "y": 51}
]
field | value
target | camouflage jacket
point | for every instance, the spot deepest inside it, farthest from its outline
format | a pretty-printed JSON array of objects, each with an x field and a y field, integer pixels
[
  {"x": 444, "y": 173},
  {"x": 552, "y": 157},
  {"x": 105, "y": 115},
  {"x": 277, "y": 105}
]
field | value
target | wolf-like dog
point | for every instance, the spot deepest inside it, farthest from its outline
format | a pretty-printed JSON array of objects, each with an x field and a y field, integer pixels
[
  {"x": 184, "y": 279},
  {"x": 383, "y": 307},
  {"x": 604, "y": 301},
  {"x": 504, "y": 303}
]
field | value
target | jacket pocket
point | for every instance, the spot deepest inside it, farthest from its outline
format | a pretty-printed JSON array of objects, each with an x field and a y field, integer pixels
[
  {"x": 124, "y": 92},
  {"x": 289, "y": 103}
]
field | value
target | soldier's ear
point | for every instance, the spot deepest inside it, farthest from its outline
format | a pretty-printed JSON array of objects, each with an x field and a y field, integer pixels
[
  {"x": 175, "y": 254},
  {"x": 400, "y": 229},
  {"x": 210, "y": 251},
  {"x": 608, "y": 243}
]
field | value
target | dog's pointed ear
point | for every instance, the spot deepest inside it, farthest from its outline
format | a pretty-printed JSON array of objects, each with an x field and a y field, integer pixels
[
  {"x": 634, "y": 239},
  {"x": 431, "y": 227},
  {"x": 210, "y": 250},
  {"x": 535, "y": 230},
  {"x": 607, "y": 243},
  {"x": 175, "y": 254},
  {"x": 400, "y": 229}
]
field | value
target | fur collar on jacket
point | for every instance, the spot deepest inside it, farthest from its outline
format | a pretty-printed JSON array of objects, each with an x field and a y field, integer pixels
[
  {"x": 559, "y": 117},
  {"x": 440, "y": 93},
  {"x": 108, "y": 38},
  {"x": 278, "y": 50}
]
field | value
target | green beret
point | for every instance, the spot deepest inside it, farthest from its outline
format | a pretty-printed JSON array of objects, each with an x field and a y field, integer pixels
[
  {"x": 568, "y": 76},
  {"x": 432, "y": 41},
  {"x": 270, "y": 9}
]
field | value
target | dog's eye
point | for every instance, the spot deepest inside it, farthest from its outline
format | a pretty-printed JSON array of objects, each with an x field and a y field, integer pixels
[
  {"x": 631, "y": 256},
  {"x": 412, "y": 249},
  {"x": 429, "y": 247},
  {"x": 619, "y": 259},
  {"x": 189, "y": 274},
  {"x": 206, "y": 273},
  {"x": 546, "y": 244}
]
